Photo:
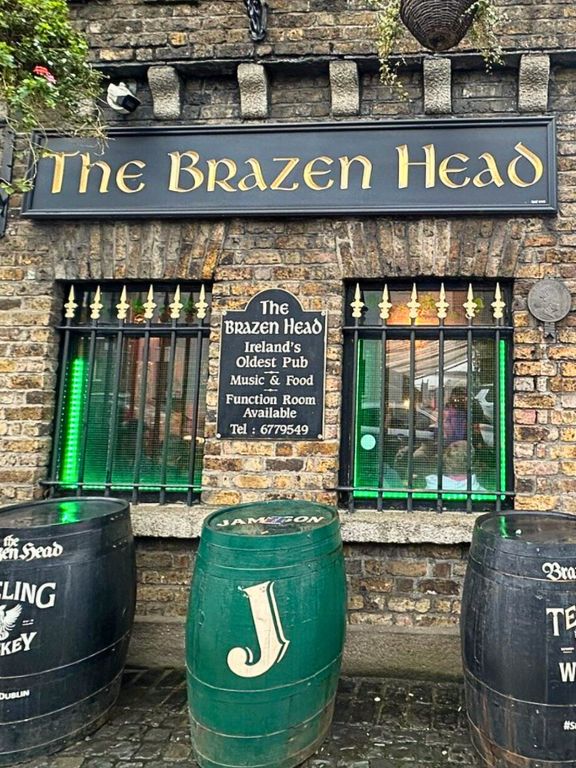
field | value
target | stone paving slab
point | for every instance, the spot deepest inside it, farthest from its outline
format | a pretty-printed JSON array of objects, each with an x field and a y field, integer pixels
[{"x": 378, "y": 723}]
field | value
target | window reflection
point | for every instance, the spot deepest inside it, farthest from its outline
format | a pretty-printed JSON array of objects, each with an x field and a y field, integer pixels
[{"x": 429, "y": 396}]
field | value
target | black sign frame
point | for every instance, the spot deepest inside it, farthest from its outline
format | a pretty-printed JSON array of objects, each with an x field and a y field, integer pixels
[
  {"x": 344, "y": 137},
  {"x": 278, "y": 376}
]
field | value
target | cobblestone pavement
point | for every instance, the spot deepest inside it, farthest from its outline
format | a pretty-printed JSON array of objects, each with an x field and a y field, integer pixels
[{"x": 377, "y": 724}]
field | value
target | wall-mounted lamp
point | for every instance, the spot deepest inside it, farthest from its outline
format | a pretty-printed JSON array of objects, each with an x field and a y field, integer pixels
[
  {"x": 257, "y": 16},
  {"x": 121, "y": 98}
]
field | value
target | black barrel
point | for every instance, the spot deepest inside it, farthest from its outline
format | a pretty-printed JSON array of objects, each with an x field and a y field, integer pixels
[
  {"x": 518, "y": 640},
  {"x": 67, "y": 596}
]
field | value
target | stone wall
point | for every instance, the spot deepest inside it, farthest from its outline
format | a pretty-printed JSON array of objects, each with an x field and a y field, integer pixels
[
  {"x": 137, "y": 31},
  {"x": 388, "y": 585},
  {"x": 313, "y": 258}
]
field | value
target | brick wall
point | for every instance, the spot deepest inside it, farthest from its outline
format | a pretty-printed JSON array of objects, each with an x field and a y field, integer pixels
[
  {"x": 133, "y": 30},
  {"x": 164, "y": 569},
  {"x": 311, "y": 257},
  {"x": 389, "y": 585}
]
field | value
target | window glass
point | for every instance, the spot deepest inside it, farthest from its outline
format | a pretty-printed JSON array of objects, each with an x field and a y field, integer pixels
[
  {"x": 131, "y": 411},
  {"x": 430, "y": 402}
]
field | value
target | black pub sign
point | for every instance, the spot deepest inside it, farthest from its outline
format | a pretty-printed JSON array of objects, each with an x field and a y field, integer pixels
[
  {"x": 272, "y": 370},
  {"x": 418, "y": 166}
]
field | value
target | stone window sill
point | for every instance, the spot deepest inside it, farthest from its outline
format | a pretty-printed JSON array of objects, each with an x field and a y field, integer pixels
[{"x": 387, "y": 527}]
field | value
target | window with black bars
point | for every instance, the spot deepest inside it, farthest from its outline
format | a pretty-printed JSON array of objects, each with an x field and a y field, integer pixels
[
  {"x": 426, "y": 419},
  {"x": 132, "y": 388}
]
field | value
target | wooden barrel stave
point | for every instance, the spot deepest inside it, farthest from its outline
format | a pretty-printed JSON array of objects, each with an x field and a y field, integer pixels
[
  {"x": 78, "y": 608},
  {"x": 287, "y": 747},
  {"x": 55, "y": 730},
  {"x": 519, "y": 706},
  {"x": 292, "y": 704},
  {"x": 280, "y": 717}
]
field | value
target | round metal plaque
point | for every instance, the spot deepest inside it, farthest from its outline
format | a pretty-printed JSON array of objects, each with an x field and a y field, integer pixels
[{"x": 549, "y": 301}]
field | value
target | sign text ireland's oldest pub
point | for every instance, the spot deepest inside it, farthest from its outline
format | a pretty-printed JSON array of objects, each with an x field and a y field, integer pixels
[
  {"x": 272, "y": 370},
  {"x": 440, "y": 166}
]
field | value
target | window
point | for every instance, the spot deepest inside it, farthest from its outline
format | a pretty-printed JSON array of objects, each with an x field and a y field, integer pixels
[
  {"x": 428, "y": 422},
  {"x": 131, "y": 396}
]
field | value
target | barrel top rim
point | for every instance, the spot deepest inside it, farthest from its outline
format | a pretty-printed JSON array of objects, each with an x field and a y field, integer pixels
[
  {"x": 270, "y": 510},
  {"x": 520, "y": 528},
  {"x": 44, "y": 513}
]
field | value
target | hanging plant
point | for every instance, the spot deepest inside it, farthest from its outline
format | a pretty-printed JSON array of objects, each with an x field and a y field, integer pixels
[
  {"x": 437, "y": 25},
  {"x": 46, "y": 81}
]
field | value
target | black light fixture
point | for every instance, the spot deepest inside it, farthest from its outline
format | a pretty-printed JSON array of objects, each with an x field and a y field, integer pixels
[
  {"x": 257, "y": 16},
  {"x": 121, "y": 98}
]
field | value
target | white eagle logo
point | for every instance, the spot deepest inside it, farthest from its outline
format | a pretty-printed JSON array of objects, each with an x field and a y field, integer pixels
[{"x": 8, "y": 619}]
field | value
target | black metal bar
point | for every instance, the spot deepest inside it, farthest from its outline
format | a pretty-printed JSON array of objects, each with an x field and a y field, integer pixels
[
  {"x": 440, "y": 412},
  {"x": 169, "y": 486},
  {"x": 113, "y": 421},
  {"x": 469, "y": 426},
  {"x": 382, "y": 430},
  {"x": 403, "y": 489},
  {"x": 141, "y": 413},
  {"x": 168, "y": 412},
  {"x": 88, "y": 403},
  {"x": 192, "y": 454},
  {"x": 430, "y": 331},
  {"x": 133, "y": 327},
  {"x": 64, "y": 376},
  {"x": 496, "y": 418},
  {"x": 411, "y": 418},
  {"x": 353, "y": 415}
]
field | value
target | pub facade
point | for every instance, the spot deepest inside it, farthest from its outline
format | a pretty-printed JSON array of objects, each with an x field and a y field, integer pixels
[{"x": 280, "y": 280}]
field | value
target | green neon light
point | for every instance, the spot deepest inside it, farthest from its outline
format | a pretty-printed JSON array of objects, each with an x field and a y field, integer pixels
[
  {"x": 502, "y": 413},
  {"x": 71, "y": 447},
  {"x": 73, "y": 422}
]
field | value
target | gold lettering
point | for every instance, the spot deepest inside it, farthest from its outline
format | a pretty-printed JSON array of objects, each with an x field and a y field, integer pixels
[
  {"x": 122, "y": 177},
  {"x": 87, "y": 166},
  {"x": 404, "y": 165},
  {"x": 309, "y": 173},
  {"x": 59, "y": 163},
  {"x": 444, "y": 171},
  {"x": 534, "y": 161},
  {"x": 346, "y": 162},
  {"x": 291, "y": 163},
  {"x": 213, "y": 171},
  {"x": 492, "y": 171},
  {"x": 176, "y": 169},
  {"x": 256, "y": 174}
]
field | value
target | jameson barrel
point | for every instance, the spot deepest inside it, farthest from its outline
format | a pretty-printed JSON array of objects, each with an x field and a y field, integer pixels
[
  {"x": 265, "y": 634},
  {"x": 518, "y": 640},
  {"x": 67, "y": 594}
]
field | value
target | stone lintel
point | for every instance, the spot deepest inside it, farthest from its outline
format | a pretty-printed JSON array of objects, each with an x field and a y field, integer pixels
[
  {"x": 437, "y": 79},
  {"x": 533, "y": 82},
  {"x": 361, "y": 527},
  {"x": 164, "y": 83},
  {"x": 253, "y": 84},
  {"x": 344, "y": 88}
]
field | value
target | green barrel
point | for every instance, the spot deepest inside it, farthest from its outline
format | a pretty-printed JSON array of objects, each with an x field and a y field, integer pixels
[{"x": 265, "y": 633}]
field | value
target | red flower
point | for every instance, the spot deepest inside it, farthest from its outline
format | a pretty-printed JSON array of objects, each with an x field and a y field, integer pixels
[{"x": 45, "y": 73}]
